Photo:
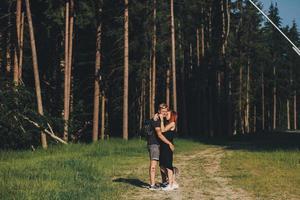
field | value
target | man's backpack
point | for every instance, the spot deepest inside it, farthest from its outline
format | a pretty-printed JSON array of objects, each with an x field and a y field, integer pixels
[{"x": 148, "y": 129}]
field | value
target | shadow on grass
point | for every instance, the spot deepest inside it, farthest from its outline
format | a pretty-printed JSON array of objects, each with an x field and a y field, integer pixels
[
  {"x": 260, "y": 141},
  {"x": 132, "y": 181}
]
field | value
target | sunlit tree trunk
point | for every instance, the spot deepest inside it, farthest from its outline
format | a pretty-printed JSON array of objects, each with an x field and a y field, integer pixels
[
  {"x": 96, "y": 83},
  {"x": 70, "y": 56},
  {"x": 66, "y": 70},
  {"x": 103, "y": 111},
  {"x": 173, "y": 58},
  {"x": 126, "y": 51},
  {"x": 21, "y": 46},
  {"x": 17, "y": 46},
  {"x": 150, "y": 88},
  {"x": 35, "y": 70},
  {"x": 153, "y": 62},
  {"x": 168, "y": 87}
]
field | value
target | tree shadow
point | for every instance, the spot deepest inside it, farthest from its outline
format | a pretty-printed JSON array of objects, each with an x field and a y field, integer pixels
[
  {"x": 260, "y": 141},
  {"x": 132, "y": 181}
]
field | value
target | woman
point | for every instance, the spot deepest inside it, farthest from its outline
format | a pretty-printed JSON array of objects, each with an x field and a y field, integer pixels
[{"x": 168, "y": 127}]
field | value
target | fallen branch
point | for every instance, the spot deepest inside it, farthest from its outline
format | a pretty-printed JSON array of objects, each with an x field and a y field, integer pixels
[{"x": 50, "y": 133}]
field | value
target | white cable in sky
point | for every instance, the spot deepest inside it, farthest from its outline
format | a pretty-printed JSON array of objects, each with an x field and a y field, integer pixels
[{"x": 288, "y": 39}]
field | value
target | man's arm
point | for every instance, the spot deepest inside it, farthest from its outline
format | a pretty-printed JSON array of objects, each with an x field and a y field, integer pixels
[{"x": 163, "y": 138}]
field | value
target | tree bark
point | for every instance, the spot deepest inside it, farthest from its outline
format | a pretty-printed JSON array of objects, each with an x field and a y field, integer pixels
[
  {"x": 103, "y": 111},
  {"x": 21, "y": 46},
  {"x": 168, "y": 87},
  {"x": 247, "y": 112},
  {"x": 126, "y": 52},
  {"x": 17, "y": 46},
  {"x": 173, "y": 58},
  {"x": 97, "y": 83},
  {"x": 153, "y": 81},
  {"x": 70, "y": 56},
  {"x": 66, "y": 82},
  {"x": 241, "y": 120},
  {"x": 198, "y": 47},
  {"x": 35, "y": 70}
]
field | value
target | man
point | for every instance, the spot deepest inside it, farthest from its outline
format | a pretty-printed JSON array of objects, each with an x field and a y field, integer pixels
[{"x": 153, "y": 146}]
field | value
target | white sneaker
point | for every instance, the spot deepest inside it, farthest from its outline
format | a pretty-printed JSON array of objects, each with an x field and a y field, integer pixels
[
  {"x": 167, "y": 188},
  {"x": 175, "y": 186}
]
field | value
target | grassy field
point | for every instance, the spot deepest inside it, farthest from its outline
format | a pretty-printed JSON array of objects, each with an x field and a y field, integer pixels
[
  {"x": 77, "y": 171},
  {"x": 268, "y": 174},
  {"x": 98, "y": 171}
]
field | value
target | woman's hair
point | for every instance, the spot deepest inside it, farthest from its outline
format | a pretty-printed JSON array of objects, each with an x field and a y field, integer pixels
[{"x": 173, "y": 117}]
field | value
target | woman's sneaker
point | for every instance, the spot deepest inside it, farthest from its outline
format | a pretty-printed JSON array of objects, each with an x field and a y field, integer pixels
[
  {"x": 175, "y": 186},
  {"x": 154, "y": 187},
  {"x": 167, "y": 188}
]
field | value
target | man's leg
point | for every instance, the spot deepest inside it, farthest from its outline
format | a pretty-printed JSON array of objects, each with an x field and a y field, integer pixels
[{"x": 152, "y": 171}]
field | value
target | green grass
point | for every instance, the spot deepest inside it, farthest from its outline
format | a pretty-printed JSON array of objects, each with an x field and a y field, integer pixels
[
  {"x": 267, "y": 174},
  {"x": 75, "y": 171},
  {"x": 90, "y": 171}
]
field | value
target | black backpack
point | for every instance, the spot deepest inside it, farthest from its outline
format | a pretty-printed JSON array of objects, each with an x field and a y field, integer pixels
[{"x": 148, "y": 129}]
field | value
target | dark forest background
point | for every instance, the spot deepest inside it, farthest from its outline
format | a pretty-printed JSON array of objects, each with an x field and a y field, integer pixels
[{"x": 235, "y": 74}]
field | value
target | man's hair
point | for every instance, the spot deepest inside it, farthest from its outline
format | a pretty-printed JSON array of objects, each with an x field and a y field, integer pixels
[{"x": 163, "y": 106}]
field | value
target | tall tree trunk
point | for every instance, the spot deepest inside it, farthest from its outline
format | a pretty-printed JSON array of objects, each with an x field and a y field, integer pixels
[
  {"x": 241, "y": 120},
  {"x": 288, "y": 114},
  {"x": 70, "y": 56},
  {"x": 66, "y": 82},
  {"x": 35, "y": 70},
  {"x": 150, "y": 89},
  {"x": 168, "y": 87},
  {"x": 126, "y": 51},
  {"x": 173, "y": 58},
  {"x": 17, "y": 47},
  {"x": 247, "y": 112},
  {"x": 21, "y": 46},
  {"x": 103, "y": 111},
  {"x": 295, "y": 110},
  {"x": 96, "y": 83},
  {"x": 16, "y": 67},
  {"x": 202, "y": 42},
  {"x": 153, "y": 60},
  {"x": 198, "y": 47}
]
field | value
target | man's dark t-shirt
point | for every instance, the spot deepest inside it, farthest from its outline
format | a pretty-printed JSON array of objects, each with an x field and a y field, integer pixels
[{"x": 153, "y": 139}]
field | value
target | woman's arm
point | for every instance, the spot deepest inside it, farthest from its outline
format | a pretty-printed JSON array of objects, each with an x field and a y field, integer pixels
[{"x": 166, "y": 128}]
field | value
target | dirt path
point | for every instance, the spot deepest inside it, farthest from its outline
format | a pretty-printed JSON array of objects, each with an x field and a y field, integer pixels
[{"x": 200, "y": 178}]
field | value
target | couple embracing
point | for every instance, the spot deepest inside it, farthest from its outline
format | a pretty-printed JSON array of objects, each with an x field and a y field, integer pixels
[{"x": 161, "y": 147}]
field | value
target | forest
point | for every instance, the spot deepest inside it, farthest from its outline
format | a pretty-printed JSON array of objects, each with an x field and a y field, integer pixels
[{"x": 82, "y": 71}]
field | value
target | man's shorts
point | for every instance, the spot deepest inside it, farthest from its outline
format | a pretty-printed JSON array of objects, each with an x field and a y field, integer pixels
[{"x": 153, "y": 151}]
